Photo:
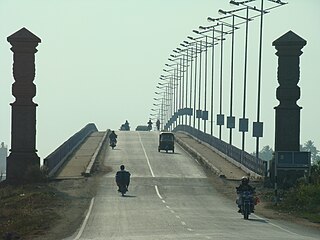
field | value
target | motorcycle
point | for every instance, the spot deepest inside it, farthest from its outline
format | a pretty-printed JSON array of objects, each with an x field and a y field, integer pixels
[
  {"x": 113, "y": 143},
  {"x": 246, "y": 202},
  {"x": 123, "y": 189}
]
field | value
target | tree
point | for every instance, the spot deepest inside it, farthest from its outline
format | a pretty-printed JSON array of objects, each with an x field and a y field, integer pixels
[
  {"x": 266, "y": 153},
  {"x": 309, "y": 147}
]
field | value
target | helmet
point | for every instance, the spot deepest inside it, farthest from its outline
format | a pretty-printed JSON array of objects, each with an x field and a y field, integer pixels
[
  {"x": 122, "y": 167},
  {"x": 245, "y": 180}
]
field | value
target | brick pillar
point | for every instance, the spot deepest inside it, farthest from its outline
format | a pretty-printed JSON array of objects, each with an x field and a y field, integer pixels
[
  {"x": 23, "y": 154},
  {"x": 287, "y": 118}
]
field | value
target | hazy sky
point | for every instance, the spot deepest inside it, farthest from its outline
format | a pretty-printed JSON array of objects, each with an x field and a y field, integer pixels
[{"x": 100, "y": 61}]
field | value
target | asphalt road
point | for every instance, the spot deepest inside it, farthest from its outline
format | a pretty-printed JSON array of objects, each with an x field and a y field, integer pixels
[{"x": 170, "y": 197}]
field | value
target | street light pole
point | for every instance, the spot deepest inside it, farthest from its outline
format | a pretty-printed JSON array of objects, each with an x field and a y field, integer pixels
[
  {"x": 220, "y": 120},
  {"x": 199, "y": 90}
]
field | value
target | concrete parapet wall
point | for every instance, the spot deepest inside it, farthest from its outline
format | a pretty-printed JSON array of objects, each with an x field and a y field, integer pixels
[
  {"x": 96, "y": 154},
  {"x": 56, "y": 159},
  {"x": 253, "y": 166}
]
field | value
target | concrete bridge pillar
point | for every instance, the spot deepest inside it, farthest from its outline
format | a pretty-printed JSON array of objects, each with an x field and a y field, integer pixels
[
  {"x": 23, "y": 154},
  {"x": 287, "y": 118}
]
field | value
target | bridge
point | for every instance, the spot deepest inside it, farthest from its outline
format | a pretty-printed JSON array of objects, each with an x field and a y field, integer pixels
[
  {"x": 76, "y": 156},
  {"x": 170, "y": 196}
]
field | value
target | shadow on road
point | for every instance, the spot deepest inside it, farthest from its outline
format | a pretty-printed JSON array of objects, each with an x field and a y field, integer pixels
[
  {"x": 257, "y": 220},
  {"x": 129, "y": 196}
]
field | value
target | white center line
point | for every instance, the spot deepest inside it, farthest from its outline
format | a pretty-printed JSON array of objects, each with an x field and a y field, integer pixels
[{"x": 145, "y": 154}]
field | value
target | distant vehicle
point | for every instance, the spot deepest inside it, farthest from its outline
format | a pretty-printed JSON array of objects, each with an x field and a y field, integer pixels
[
  {"x": 142, "y": 128},
  {"x": 166, "y": 141},
  {"x": 125, "y": 126}
]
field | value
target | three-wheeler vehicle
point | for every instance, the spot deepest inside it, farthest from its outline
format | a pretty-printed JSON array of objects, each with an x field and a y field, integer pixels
[{"x": 166, "y": 141}]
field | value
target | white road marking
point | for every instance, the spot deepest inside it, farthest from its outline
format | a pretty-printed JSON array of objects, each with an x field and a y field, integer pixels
[
  {"x": 158, "y": 193},
  {"x": 85, "y": 220},
  {"x": 156, "y": 187},
  {"x": 145, "y": 154},
  {"x": 275, "y": 225}
]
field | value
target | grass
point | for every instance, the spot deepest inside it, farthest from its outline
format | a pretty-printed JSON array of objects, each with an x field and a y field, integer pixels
[
  {"x": 27, "y": 210},
  {"x": 301, "y": 201}
]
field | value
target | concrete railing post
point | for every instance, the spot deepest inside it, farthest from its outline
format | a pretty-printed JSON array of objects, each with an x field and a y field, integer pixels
[{"x": 23, "y": 154}]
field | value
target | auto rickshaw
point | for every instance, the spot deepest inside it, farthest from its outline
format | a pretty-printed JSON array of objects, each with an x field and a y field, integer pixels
[{"x": 166, "y": 141}]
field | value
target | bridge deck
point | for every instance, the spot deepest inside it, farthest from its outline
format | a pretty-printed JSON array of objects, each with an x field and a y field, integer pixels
[
  {"x": 221, "y": 166},
  {"x": 81, "y": 158}
]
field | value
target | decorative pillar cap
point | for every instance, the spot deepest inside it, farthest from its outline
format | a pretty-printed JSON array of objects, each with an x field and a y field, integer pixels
[
  {"x": 23, "y": 35},
  {"x": 289, "y": 39}
]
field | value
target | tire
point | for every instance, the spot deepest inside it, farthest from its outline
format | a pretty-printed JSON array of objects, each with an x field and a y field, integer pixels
[
  {"x": 246, "y": 211},
  {"x": 123, "y": 190}
]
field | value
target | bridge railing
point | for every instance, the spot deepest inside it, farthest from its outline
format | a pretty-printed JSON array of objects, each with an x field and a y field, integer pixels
[
  {"x": 249, "y": 161},
  {"x": 56, "y": 159}
]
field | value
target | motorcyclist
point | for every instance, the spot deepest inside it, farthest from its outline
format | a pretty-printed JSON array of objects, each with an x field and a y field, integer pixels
[
  {"x": 149, "y": 124},
  {"x": 113, "y": 136},
  {"x": 123, "y": 178},
  {"x": 244, "y": 186},
  {"x": 158, "y": 124},
  {"x": 126, "y": 125}
]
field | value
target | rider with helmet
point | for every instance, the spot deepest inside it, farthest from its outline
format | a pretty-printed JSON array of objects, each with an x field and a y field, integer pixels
[{"x": 244, "y": 186}]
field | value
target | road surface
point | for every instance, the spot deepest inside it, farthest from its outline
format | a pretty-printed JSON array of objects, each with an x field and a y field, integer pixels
[{"x": 170, "y": 197}]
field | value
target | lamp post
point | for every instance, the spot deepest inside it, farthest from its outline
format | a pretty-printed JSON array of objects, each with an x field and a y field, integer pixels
[
  {"x": 175, "y": 91},
  {"x": 243, "y": 123},
  {"x": 189, "y": 47},
  {"x": 258, "y": 126},
  {"x": 204, "y": 113},
  {"x": 182, "y": 80},
  {"x": 213, "y": 38},
  {"x": 185, "y": 64},
  {"x": 220, "y": 116},
  {"x": 165, "y": 99},
  {"x": 169, "y": 93},
  {"x": 200, "y": 50},
  {"x": 230, "y": 118}
]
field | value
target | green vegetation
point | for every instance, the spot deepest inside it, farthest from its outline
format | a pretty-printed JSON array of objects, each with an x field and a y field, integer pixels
[
  {"x": 27, "y": 210},
  {"x": 302, "y": 200}
]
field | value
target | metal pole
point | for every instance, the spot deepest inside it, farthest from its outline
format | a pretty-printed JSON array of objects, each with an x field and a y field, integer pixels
[
  {"x": 205, "y": 84},
  {"x": 191, "y": 73},
  {"x": 259, "y": 77},
  {"x": 195, "y": 87},
  {"x": 180, "y": 89},
  {"x": 186, "y": 85},
  {"x": 231, "y": 77},
  {"x": 199, "y": 97},
  {"x": 221, "y": 73},
  {"x": 212, "y": 82},
  {"x": 245, "y": 76}
]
